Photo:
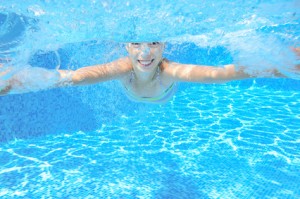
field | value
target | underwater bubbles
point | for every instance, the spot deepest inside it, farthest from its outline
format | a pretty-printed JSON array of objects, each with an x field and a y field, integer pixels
[
  {"x": 257, "y": 34},
  {"x": 260, "y": 53}
]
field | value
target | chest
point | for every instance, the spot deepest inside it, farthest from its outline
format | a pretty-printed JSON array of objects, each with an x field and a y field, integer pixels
[{"x": 151, "y": 89}]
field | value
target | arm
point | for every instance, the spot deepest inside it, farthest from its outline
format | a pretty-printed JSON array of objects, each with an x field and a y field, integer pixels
[
  {"x": 211, "y": 74},
  {"x": 27, "y": 79},
  {"x": 34, "y": 79},
  {"x": 98, "y": 73}
]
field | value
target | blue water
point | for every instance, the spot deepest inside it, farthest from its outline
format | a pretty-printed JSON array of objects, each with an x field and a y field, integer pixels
[{"x": 235, "y": 140}]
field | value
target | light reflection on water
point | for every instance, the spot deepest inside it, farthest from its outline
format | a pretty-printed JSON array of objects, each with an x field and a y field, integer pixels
[{"x": 209, "y": 142}]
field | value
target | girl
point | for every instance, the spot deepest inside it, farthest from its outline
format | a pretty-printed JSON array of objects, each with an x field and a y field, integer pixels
[{"x": 145, "y": 74}]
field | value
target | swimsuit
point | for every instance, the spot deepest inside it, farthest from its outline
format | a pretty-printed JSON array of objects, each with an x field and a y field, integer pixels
[{"x": 162, "y": 98}]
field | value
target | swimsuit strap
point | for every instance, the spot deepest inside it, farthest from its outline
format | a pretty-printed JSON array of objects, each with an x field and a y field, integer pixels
[
  {"x": 163, "y": 97},
  {"x": 131, "y": 76},
  {"x": 168, "y": 93},
  {"x": 158, "y": 71}
]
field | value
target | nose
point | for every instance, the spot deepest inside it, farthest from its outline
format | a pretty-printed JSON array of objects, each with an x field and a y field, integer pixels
[{"x": 145, "y": 50}]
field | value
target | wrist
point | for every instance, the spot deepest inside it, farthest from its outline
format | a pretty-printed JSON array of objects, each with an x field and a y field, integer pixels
[{"x": 66, "y": 77}]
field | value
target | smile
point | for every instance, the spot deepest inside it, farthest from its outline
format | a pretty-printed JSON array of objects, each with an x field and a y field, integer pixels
[{"x": 146, "y": 62}]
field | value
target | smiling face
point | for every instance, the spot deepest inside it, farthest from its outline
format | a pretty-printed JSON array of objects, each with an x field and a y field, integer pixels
[{"x": 145, "y": 56}]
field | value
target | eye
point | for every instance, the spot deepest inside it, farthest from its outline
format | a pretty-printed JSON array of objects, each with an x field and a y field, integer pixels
[
  {"x": 135, "y": 45},
  {"x": 154, "y": 44}
]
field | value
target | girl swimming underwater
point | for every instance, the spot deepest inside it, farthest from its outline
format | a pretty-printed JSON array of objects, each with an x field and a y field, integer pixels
[{"x": 145, "y": 74}]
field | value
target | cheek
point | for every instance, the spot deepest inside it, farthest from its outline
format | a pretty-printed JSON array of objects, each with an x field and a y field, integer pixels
[
  {"x": 132, "y": 54},
  {"x": 158, "y": 54}
]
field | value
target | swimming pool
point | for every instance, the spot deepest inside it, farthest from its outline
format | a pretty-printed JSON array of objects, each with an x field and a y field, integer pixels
[{"x": 234, "y": 140}]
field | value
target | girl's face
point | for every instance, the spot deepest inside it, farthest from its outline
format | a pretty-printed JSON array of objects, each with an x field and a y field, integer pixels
[{"x": 145, "y": 56}]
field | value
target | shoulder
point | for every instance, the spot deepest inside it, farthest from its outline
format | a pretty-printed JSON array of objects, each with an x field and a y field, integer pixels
[
  {"x": 123, "y": 63},
  {"x": 168, "y": 69},
  {"x": 169, "y": 65},
  {"x": 120, "y": 67},
  {"x": 123, "y": 67},
  {"x": 166, "y": 65}
]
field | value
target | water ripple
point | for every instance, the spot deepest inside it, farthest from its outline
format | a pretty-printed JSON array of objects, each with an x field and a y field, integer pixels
[{"x": 229, "y": 143}]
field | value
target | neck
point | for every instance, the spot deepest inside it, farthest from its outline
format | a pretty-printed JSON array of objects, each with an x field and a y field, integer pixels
[{"x": 146, "y": 77}]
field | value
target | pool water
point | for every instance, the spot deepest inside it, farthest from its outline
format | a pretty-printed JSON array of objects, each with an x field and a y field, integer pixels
[
  {"x": 235, "y": 140},
  {"x": 211, "y": 141}
]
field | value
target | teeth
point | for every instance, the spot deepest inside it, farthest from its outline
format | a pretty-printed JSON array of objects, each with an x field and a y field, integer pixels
[{"x": 145, "y": 62}]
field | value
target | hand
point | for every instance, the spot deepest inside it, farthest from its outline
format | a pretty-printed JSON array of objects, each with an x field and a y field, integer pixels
[
  {"x": 292, "y": 70},
  {"x": 4, "y": 84},
  {"x": 297, "y": 51}
]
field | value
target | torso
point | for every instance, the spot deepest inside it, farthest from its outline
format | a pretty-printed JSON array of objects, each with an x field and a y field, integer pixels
[{"x": 159, "y": 90}]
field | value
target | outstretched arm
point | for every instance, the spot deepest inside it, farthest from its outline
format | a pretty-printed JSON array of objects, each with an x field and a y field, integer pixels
[
  {"x": 33, "y": 79},
  {"x": 27, "y": 79},
  {"x": 210, "y": 74},
  {"x": 98, "y": 73},
  {"x": 204, "y": 74}
]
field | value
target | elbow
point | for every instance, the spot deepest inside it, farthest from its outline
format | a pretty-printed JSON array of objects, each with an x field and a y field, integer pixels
[
  {"x": 226, "y": 74},
  {"x": 221, "y": 75}
]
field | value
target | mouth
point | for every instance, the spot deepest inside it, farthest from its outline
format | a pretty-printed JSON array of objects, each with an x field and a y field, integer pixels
[{"x": 146, "y": 63}]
